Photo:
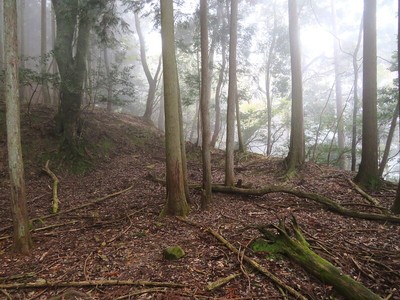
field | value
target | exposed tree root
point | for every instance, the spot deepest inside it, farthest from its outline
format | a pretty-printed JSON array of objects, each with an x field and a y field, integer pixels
[
  {"x": 329, "y": 203},
  {"x": 297, "y": 248},
  {"x": 370, "y": 199},
  {"x": 55, "y": 202},
  {"x": 90, "y": 283},
  {"x": 220, "y": 282}
]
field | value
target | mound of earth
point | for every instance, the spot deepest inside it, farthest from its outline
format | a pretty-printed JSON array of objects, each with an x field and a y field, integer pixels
[{"x": 114, "y": 246}]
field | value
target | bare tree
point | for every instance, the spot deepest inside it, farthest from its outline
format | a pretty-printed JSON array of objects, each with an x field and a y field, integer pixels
[{"x": 22, "y": 238}]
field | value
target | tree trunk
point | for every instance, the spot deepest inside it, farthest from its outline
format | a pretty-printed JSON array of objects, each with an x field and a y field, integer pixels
[
  {"x": 109, "y": 80},
  {"x": 1, "y": 38},
  {"x": 72, "y": 67},
  {"x": 242, "y": 148},
  {"x": 355, "y": 101},
  {"x": 392, "y": 128},
  {"x": 338, "y": 90},
  {"x": 368, "y": 172},
  {"x": 54, "y": 65},
  {"x": 296, "y": 150},
  {"x": 176, "y": 198},
  {"x": 19, "y": 212},
  {"x": 232, "y": 94},
  {"x": 396, "y": 205},
  {"x": 43, "y": 52},
  {"x": 21, "y": 43},
  {"x": 161, "y": 115},
  {"x": 204, "y": 99}
]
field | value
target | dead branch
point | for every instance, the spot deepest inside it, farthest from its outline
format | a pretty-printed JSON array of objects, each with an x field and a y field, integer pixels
[
  {"x": 90, "y": 283},
  {"x": 370, "y": 199},
  {"x": 329, "y": 203},
  {"x": 220, "y": 282},
  {"x": 55, "y": 201},
  {"x": 257, "y": 266},
  {"x": 96, "y": 201}
]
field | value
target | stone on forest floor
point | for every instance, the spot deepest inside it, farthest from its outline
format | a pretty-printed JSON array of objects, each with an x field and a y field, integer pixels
[{"x": 173, "y": 252}]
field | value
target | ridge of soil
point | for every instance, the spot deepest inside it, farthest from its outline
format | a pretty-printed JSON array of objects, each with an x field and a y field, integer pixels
[{"x": 123, "y": 237}]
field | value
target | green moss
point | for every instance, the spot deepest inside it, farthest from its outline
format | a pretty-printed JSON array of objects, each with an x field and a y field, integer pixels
[
  {"x": 263, "y": 246},
  {"x": 105, "y": 146},
  {"x": 173, "y": 253}
]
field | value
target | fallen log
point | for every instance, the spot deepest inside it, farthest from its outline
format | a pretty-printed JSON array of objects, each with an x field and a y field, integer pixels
[
  {"x": 56, "y": 201},
  {"x": 297, "y": 248},
  {"x": 329, "y": 203}
]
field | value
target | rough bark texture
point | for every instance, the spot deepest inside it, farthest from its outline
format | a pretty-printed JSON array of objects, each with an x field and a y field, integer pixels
[
  {"x": 21, "y": 234},
  {"x": 368, "y": 172},
  {"x": 232, "y": 93},
  {"x": 204, "y": 98},
  {"x": 296, "y": 150},
  {"x": 71, "y": 64},
  {"x": 298, "y": 249},
  {"x": 176, "y": 198}
]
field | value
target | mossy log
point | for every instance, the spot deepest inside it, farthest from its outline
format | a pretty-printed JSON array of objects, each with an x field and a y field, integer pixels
[
  {"x": 329, "y": 203},
  {"x": 297, "y": 248}
]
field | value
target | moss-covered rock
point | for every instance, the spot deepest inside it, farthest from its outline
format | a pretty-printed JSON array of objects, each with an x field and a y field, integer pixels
[{"x": 173, "y": 253}]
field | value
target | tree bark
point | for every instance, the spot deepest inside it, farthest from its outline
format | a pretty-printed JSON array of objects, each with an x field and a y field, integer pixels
[
  {"x": 368, "y": 172},
  {"x": 242, "y": 148},
  {"x": 232, "y": 94},
  {"x": 55, "y": 95},
  {"x": 43, "y": 52},
  {"x": 176, "y": 198},
  {"x": 204, "y": 99},
  {"x": 19, "y": 212},
  {"x": 109, "y": 80},
  {"x": 296, "y": 153}
]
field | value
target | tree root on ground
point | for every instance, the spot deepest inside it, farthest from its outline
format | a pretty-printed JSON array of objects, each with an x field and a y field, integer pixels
[
  {"x": 55, "y": 202},
  {"x": 297, "y": 248}
]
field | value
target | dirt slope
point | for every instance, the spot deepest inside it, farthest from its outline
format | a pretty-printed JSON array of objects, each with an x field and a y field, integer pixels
[{"x": 122, "y": 237}]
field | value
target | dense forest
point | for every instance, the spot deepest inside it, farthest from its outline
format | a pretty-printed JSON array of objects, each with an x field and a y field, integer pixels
[{"x": 211, "y": 149}]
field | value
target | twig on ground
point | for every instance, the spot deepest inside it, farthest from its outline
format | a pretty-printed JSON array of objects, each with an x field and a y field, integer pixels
[
  {"x": 362, "y": 193},
  {"x": 56, "y": 200},
  {"x": 220, "y": 282}
]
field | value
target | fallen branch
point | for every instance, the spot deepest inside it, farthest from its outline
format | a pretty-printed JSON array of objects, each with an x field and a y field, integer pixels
[
  {"x": 370, "y": 199},
  {"x": 257, "y": 266},
  {"x": 329, "y": 203},
  {"x": 220, "y": 282},
  {"x": 90, "y": 283},
  {"x": 75, "y": 208},
  {"x": 297, "y": 248},
  {"x": 55, "y": 202}
]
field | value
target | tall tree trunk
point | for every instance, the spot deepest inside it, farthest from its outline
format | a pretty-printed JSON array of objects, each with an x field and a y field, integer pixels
[
  {"x": 19, "y": 212},
  {"x": 232, "y": 94},
  {"x": 150, "y": 79},
  {"x": 368, "y": 172},
  {"x": 21, "y": 43},
  {"x": 268, "y": 64},
  {"x": 296, "y": 150},
  {"x": 389, "y": 139},
  {"x": 396, "y": 204},
  {"x": 176, "y": 198},
  {"x": 161, "y": 115},
  {"x": 109, "y": 80},
  {"x": 217, "y": 124},
  {"x": 72, "y": 67},
  {"x": 338, "y": 89},
  {"x": 238, "y": 124},
  {"x": 355, "y": 101},
  {"x": 1, "y": 37},
  {"x": 43, "y": 52},
  {"x": 204, "y": 100},
  {"x": 54, "y": 62}
]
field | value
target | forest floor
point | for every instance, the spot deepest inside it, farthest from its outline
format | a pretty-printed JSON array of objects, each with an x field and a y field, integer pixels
[{"x": 122, "y": 237}]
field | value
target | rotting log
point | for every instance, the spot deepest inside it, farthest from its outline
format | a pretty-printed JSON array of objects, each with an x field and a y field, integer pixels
[
  {"x": 297, "y": 248},
  {"x": 329, "y": 203},
  {"x": 56, "y": 201}
]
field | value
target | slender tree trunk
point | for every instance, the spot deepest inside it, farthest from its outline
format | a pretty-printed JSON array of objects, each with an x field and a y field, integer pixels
[
  {"x": 368, "y": 172},
  {"x": 392, "y": 128},
  {"x": 21, "y": 43},
  {"x": 296, "y": 150},
  {"x": 204, "y": 100},
  {"x": 355, "y": 101},
  {"x": 43, "y": 52},
  {"x": 161, "y": 115},
  {"x": 176, "y": 198},
  {"x": 238, "y": 124},
  {"x": 338, "y": 89},
  {"x": 19, "y": 212},
  {"x": 54, "y": 65},
  {"x": 396, "y": 204},
  {"x": 1, "y": 37},
  {"x": 232, "y": 94},
  {"x": 109, "y": 80}
]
